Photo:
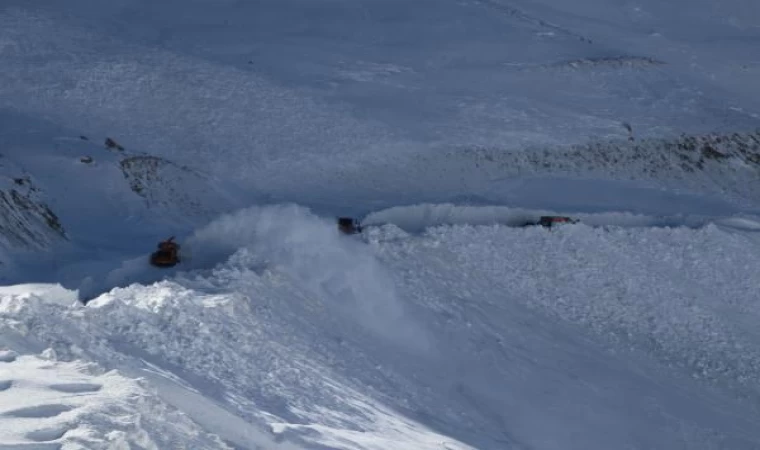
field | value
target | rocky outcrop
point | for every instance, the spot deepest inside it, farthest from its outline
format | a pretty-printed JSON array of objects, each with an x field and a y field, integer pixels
[
  {"x": 716, "y": 163},
  {"x": 171, "y": 188},
  {"x": 26, "y": 221}
]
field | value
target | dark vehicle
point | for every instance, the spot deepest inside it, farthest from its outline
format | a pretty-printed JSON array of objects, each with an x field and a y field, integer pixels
[
  {"x": 167, "y": 254},
  {"x": 348, "y": 225},
  {"x": 550, "y": 221}
]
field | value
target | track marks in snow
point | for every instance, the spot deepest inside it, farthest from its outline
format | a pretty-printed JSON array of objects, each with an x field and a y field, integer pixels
[
  {"x": 620, "y": 62},
  {"x": 7, "y": 356},
  {"x": 46, "y": 403},
  {"x": 47, "y": 434},
  {"x": 34, "y": 446},
  {"x": 76, "y": 388},
  {"x": 524, "y": 17},
  {"x": 39, "y": 411}
]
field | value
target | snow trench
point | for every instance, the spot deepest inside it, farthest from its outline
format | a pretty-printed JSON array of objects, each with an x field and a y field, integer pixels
[{"x": 418, "y": 217}]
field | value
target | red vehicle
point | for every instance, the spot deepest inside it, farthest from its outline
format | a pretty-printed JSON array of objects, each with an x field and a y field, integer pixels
[{"x": 167, "y": 254}]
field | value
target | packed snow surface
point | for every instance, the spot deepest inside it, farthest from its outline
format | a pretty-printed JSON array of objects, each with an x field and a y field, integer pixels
[
  {"x": 50, "y": 404},
  {"x": 244, "y": 128}
]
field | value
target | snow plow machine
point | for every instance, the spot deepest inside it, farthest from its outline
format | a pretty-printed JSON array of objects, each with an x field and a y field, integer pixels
[
  {"x": 349, "y": 225},
  {"x": 167, "y": 254},
  {"x": 551, "y": 221}
]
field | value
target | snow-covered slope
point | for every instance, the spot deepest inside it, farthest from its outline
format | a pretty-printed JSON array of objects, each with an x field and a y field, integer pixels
[
  {"x": 69, "y": 197},
  {"x": 262, "y": 91},
  {"x": 245, "y": 127},
  {"x": 83, "y": 406},
  {"x": 482, "y": 337}
]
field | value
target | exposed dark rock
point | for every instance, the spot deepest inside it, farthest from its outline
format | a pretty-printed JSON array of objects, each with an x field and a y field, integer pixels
[
  {"x": 111, "y": 144},
  {"x": 171, "y": 187},
  {"x": 727, "y": 157},
  {"x": 26, "y": 221}
]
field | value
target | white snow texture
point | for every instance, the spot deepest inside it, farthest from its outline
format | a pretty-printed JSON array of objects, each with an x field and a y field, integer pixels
[{"x": 446, "y": 127}]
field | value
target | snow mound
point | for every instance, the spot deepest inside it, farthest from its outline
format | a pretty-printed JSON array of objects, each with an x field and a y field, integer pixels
[
  {"x": 240, "y": 363},
  {"x": 54, "y": 293}
]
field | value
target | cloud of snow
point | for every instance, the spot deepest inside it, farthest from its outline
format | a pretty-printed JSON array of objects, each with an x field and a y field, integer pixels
[
  {"x": 137, "y": 270},
  {"x": 340, "y": 271},
  {"x": 417, "y": 217}
]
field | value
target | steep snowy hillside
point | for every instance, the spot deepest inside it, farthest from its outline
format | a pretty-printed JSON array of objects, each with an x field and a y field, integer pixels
[
  {"x": 244, "y": 127},
  {"x": 26, "y": 221},
  {"x": 268, "y": 92},
  {"x": 350, "y": 107},
  {"x": 69, "y": 197},
  {"x": 462, "y": 337}
]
